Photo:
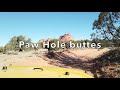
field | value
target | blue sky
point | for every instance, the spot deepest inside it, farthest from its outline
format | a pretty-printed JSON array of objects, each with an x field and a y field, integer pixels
[{"x": 42, "y": 25}]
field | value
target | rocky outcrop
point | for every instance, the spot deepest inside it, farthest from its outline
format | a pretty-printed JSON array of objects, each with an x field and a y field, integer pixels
[
  {"x": 66, "y": 38},
  {"x": 49, "y": 39},
  {"x": 42, "y": 40}
]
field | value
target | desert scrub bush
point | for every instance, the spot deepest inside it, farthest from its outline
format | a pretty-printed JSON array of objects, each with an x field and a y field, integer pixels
[
  {"x": 12, "y": 53},
  {"x": 35, "y": 53},
  {"x": 108, "y": 64},
  {"x": 53, "y": 41},
  {"x": 1, "y": 49}
]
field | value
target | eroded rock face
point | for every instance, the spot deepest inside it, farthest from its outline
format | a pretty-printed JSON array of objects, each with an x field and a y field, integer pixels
[
  {"x": 49, "y": 39},
  {"x": 42, "y": 40},
  {"x": 66, "y": 38}
]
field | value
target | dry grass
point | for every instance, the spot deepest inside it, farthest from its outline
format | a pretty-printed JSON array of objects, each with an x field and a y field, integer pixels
[
  {"x": 88, "y": 53},
  {"x": 30, "y": 58},
  {"x": 22, "y": 59}
]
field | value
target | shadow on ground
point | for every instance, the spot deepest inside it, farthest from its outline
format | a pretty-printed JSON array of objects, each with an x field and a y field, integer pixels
[
  {"x": 105, "y": 66},
  {"x": 62, "y": 60}
]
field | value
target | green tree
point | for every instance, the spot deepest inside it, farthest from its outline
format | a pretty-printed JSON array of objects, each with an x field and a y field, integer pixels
[
  {"x": 1, "y": 49},
  {"x": 13, "y": 44},
  {"x": 20, "y": 38},
  {"x": 28, "y": 41},
  {"x": 108, "y": 26},
  {"x": 53, "y": 41}
]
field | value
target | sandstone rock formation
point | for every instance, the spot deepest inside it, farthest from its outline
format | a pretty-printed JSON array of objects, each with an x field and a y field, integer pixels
[
  {"x": 66, "y": 38},
  {"x": 45, "y": 40},
  {"x": 49, "y": 39},
  {"x": 42, "y": 40}
]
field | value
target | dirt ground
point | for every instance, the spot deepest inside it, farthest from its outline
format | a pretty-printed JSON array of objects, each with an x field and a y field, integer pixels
[
  {"x": 22, "y": 59},
  {"x": 86, "y": 54},
  {"x": 38, "y": 58}
]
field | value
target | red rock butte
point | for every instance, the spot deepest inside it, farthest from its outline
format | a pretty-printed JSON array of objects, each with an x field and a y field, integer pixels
[
  {"x": 49, "y": 39},
  {"x": 66, "y": 38}
]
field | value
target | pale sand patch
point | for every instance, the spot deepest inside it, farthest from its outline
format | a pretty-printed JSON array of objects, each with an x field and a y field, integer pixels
[
  {"x": 85, "y": 54},
  {"x": 30, "y": 59},
  {"x": 22, "y": 59}
]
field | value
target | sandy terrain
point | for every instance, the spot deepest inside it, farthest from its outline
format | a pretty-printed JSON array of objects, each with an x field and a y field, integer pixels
[
  {"x": 86, "y": 54},
  {"x": 37, "y": 58},
  {"x": 22, "y": 59}
]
